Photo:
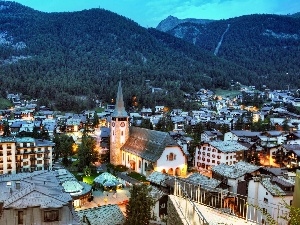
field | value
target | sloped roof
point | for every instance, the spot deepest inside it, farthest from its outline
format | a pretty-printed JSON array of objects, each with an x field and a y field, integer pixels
[
  {"x": 37, "y": 189},
  {"x": 228, "y": 146},
  {"x": 204, "y": 181},
  {"x": 105, "y": 178},
  {"x": 148, "y": 144},
  {"x": 236, "y": 170},
  {"x": 104, "y": 215},
  {"x": 159, "y": 178}
]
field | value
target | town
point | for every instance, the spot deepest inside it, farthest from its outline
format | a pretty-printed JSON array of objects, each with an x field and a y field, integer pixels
[{"x": 233, "y": 158}]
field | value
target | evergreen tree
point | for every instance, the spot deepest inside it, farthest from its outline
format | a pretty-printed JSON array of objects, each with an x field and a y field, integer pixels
[
  {"x": 96, "y": 120},
  {"x": 87, "y": 153},
  {"x": 146, "y": 123},
  {"x": 63, "y": 147},
  {"x": 6, "y": 129},
  {"x": 138, "y": 209}
]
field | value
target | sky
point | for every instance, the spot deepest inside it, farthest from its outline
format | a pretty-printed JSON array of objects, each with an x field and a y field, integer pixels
[{"x": 148, "y": 13}]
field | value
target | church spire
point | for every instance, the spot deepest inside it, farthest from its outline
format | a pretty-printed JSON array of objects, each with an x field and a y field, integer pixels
[{"x": 119, "y": 108}]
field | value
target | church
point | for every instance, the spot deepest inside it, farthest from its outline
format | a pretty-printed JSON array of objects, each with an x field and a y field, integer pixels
[{"x": 143, "y": 150}]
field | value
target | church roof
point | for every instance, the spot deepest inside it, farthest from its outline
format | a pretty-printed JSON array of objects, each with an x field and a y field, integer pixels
[
  {"x": 148, "y": 144},
  {"x": 119, "y": 110}
]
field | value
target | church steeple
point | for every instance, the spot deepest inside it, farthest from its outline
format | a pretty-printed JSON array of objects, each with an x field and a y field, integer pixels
[
  {"x": 119, "y": 129},
  {"x": 119, "y": 109}
]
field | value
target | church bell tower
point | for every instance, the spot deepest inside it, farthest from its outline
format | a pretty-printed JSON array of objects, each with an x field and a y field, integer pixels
[{"x": 119, "y": 129}]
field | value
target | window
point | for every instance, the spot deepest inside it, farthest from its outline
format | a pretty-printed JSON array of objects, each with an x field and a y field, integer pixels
[
  {"x": 213, "y": 155},
  {"x": 203, "y": 153},
  {"x": 8, "y": 146},
  {"x": 203, "y": 159},
  {"x": 146, "y": 165},
  {"x": 171, "y": 157},
  {"x": 267, "y": 193},
  {"x": 226, "y": 157},
  {"x": 20, "y": 217},
  {"x": 1, "y": 148},
  {"x": 218, "y": 162},
  {"x": 231, "y": 157},
  {"x": 39, "y": 161},
  {"x": 50, "y": 216},
  {"x": 208, "y": 154},
  {"x": 123, "y": 156},
  {"x": 128, "y": 158},
  {"x": 264, "y": 210},
  {"x": 208, "y": 160},
  {"x": 204, "y": 148},
  {"x": 122, "y": 133},
  {"x": 208, "y": 149},
  {"x": 140, "y": 164},
  {"x": 213, "y": 161},
  {"x": 265, "y": 200}
]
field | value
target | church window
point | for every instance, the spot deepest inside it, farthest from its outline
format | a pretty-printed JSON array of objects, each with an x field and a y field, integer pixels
[
  {"x": 122, "y": 133},
  {"x": 113, "y": 132}
]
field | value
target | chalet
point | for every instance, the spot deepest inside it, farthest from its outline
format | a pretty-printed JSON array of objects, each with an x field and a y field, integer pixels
[{"x": 35, "y": 198}]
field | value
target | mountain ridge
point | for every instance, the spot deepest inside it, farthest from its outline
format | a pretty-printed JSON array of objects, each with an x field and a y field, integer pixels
[{"x": 70, "y": 59}]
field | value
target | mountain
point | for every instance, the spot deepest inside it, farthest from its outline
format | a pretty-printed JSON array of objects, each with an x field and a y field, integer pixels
[
  {"x": 170, "y": 22},
  {"x": 70, "y": 59},
  {"x": 268, "y": 45}
]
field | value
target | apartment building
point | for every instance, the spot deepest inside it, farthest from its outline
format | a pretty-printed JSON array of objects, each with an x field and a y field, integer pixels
[
  {"x": 24, "y": 154},
  {"x": 216, "y": 152}
]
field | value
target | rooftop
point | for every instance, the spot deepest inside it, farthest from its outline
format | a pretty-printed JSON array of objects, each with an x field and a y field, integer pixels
[
  {"x": 104, "y": 215},
  {"x": 228, "y": 146},
  {"x": 236, "y": 170}
]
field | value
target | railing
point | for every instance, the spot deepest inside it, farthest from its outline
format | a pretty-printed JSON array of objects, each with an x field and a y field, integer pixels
[
  {"x": 232, "y": 204},
  {"x": 181, "y": 192}
]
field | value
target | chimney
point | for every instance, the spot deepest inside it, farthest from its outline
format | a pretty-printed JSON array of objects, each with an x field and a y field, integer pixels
[{"x": 18, "y": 185}]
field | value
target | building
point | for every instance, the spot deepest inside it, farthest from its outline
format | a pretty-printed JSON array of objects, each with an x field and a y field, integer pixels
[
  {"x": 24, "y": 154},
  {"x": 35, "y": 198},
  {"x": 141, "y": 149},
  {"x": 216, "y": 152},
  {"x": 234, "y": 175},
  {"x": 7, "y": 155},
  {"x": 273, "y": 195}
]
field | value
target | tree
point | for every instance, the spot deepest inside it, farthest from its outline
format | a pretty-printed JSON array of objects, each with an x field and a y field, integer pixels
[
  {"x": 164, "y": 124},
  {"x": 6, "y": 129},
  {"x": 96, "y": 120},
  {"x": 146, "y": 123},
  {"x": 63, "y": 147},
  {"x": 138, "y": 209},
  {"x": 87, "y": 153}
]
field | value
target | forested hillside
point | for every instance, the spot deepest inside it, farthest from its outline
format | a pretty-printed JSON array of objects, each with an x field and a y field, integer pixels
[
  {"x": 70, "y": 59},
  {"x": 265, "y": 44}
]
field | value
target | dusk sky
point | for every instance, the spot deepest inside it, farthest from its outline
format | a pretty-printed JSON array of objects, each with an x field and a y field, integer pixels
[{"x": 149, "y": 13}]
